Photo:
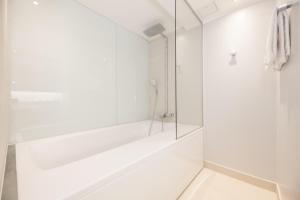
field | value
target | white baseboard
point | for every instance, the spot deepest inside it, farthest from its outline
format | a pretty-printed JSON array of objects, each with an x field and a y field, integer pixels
[
  {"x": 254, "y": 180},
  {"x": 286, "y": 194}
]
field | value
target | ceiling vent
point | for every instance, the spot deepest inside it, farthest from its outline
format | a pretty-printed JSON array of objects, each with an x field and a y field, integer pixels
[{"x": 207, "y": 10}]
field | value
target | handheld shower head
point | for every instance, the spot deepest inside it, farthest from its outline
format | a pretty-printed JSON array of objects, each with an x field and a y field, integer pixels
[{"x": 153, "y": 83}]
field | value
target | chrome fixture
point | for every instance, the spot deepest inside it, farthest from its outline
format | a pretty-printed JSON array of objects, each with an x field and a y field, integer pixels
[
  {"x": 287, "y": 5},
  {"x": 153, "y": 83},
  {"x": 152, "y": 31}
]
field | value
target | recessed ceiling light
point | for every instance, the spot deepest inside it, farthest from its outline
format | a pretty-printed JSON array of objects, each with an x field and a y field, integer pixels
[
  {"x": 35, "y": 3},
  {"x": 235, "y": 1}
]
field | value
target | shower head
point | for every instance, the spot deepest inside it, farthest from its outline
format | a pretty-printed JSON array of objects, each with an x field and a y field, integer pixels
[{"x": 152, "y": 31}]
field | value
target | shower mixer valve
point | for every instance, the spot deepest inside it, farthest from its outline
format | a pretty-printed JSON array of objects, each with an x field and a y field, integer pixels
[{"x": 167, "y": 115}]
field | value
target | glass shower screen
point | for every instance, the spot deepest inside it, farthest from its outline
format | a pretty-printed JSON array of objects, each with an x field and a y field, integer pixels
[{"x": 189, "y": 67}]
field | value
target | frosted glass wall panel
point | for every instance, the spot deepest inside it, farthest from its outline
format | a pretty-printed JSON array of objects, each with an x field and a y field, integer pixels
[
  {"x": 132, "y": 77},
  {"x": 64, "y": 60}
]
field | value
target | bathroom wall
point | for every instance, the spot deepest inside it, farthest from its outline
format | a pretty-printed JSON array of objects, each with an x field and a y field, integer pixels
[
  {"x": 288, "y": 134},
  {"x": 3, "y": 93},
  {"x": 157, "y": 72},
  {"x": 240, "y": 99},
  {"x": 72, "y": 70},
  {"x": 189, "y": 75}
]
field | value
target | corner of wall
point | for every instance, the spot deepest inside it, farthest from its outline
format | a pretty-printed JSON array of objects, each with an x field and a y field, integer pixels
[{"x": 3, "y": 92}]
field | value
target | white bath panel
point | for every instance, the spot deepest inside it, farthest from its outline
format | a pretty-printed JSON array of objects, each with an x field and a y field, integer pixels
[{"x": 111, "y": 163}]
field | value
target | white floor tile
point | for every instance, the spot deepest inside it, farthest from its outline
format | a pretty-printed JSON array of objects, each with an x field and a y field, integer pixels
[{"x": 210, "y": 185}]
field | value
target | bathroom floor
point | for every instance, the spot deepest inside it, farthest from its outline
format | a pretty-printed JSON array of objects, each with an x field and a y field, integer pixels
[{"x": 210, "y": 185}]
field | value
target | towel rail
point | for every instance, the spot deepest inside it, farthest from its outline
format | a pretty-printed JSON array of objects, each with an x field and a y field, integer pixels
[{"x": 287, "y": 5}]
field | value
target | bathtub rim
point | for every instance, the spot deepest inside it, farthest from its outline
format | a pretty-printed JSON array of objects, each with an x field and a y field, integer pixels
[{"x": 79, "y": 132}]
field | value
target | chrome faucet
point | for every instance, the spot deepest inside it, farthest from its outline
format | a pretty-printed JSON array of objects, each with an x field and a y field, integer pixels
[{"x": 164, "y": 117}]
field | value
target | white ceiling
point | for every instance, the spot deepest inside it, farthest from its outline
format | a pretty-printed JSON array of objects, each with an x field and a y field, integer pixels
[
  {"x": 209, "y": 10},
  {"x": 135, "y": 15},
  {"x": 138, "y": 15}
]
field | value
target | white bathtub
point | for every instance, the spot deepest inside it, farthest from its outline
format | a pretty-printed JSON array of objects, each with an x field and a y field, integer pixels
[{"x": 115, "y": 163}]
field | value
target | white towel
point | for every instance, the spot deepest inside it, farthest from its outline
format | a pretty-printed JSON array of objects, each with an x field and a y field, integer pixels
[
  {"x": 271, "y": 50},
  {"x": 278, "y": 48}
]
